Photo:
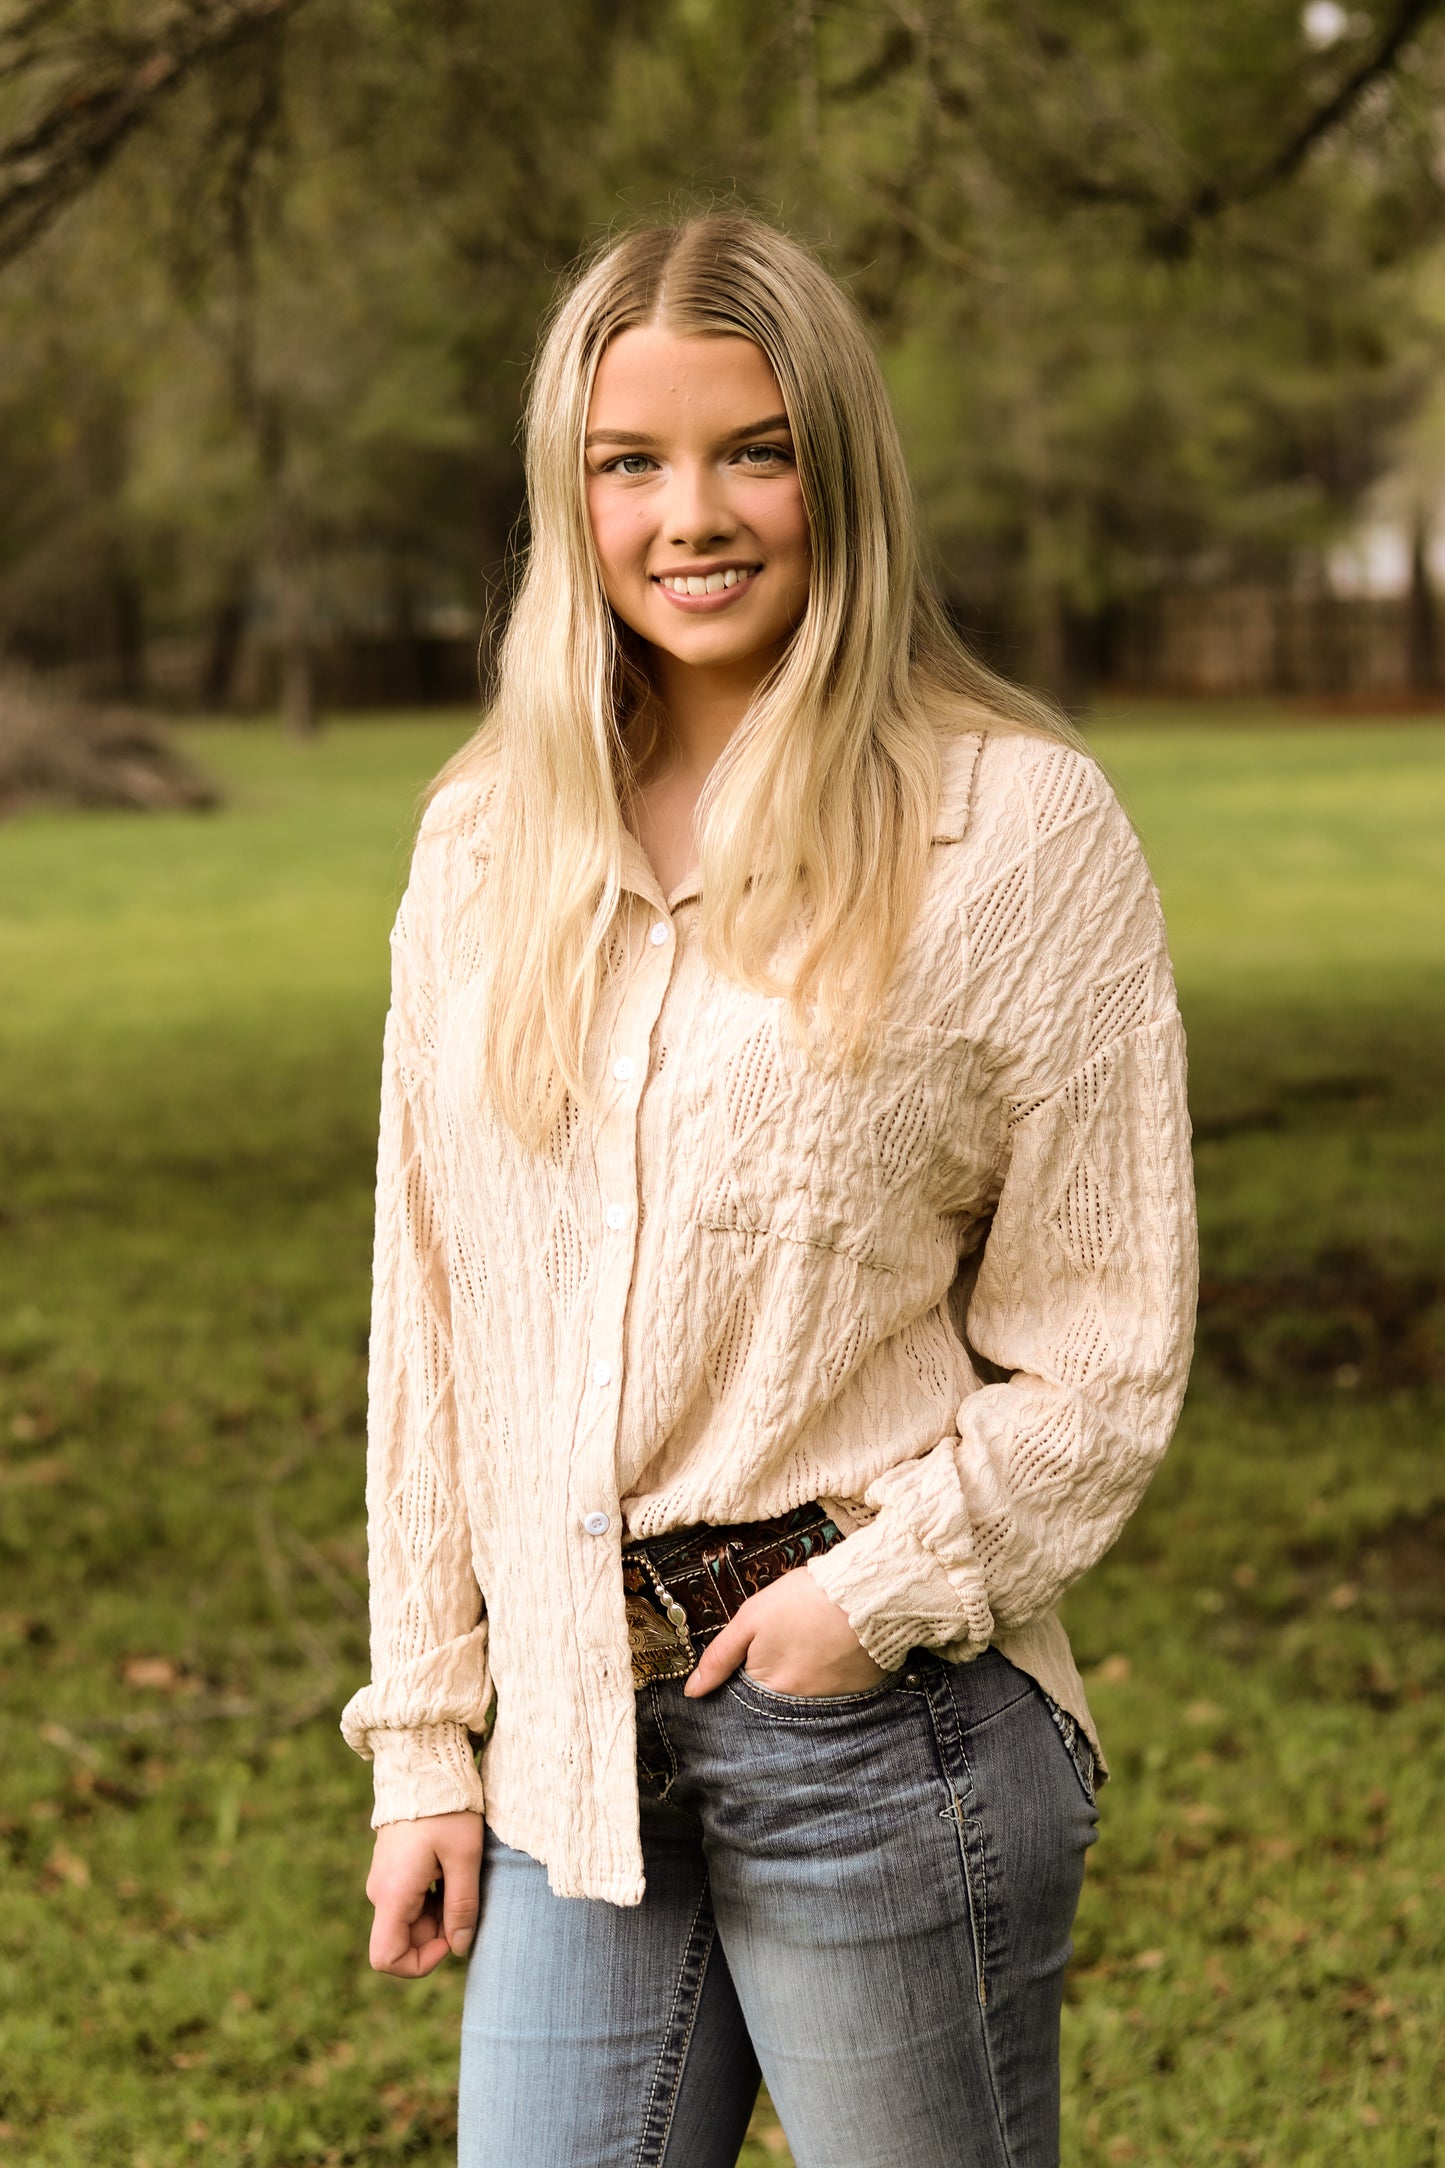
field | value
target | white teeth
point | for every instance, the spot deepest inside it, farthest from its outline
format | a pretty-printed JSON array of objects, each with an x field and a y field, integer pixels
[{"x": 695, "y": 583}]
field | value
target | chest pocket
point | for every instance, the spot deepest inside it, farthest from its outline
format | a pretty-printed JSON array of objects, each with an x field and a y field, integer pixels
[{"x": 862, "y": 1161}]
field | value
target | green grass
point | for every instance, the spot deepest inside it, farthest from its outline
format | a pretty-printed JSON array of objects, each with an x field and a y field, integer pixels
[{"x": 188, "y": 1058}]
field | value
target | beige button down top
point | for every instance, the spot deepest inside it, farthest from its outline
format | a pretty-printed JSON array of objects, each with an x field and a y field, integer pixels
[{"x": 950, "y": 1293}]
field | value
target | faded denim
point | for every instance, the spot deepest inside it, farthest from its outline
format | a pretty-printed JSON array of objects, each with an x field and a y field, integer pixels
[{"x": 868, "y": 1895}]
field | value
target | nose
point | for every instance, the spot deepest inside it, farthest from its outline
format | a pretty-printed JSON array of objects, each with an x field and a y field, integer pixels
[{"x": 697, "y": 516}]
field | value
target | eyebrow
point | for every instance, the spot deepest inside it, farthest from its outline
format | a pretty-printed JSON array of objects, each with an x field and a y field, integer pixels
[{"x": 633, "y": 436}]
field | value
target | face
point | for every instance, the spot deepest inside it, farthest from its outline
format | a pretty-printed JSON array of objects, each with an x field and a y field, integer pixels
[{"x": 693, "y": 497}]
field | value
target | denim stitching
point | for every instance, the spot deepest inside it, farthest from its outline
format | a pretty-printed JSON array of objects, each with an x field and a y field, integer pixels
[
  {"x": 655, "y": 1705},
  {"x": 808, "y": 1705},
  {"x": 953, "y": 1754},
  {"x": 953, "y": 1759},
  {"x": 1004, "y": 1709},
  {"x": 962, "y": 1824},
  {"x": 677, "y": 2035}
]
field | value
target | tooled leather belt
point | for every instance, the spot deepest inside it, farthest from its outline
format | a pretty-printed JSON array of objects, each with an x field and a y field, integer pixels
[{"x": 682, "y": 1588}]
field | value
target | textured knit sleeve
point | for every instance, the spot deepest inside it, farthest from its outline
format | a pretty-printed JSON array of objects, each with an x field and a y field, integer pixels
[
  {"x": 429, "y": 1684},
  {"x": 1085, "y": 1292}
]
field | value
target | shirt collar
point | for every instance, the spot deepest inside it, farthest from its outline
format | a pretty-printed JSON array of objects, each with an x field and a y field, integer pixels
[
  {"x": 958, "y": 759},
  {"x": 639, "y": 876}
]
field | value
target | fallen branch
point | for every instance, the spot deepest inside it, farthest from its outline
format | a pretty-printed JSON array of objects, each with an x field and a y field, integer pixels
[{"x": 56, "y": 749}]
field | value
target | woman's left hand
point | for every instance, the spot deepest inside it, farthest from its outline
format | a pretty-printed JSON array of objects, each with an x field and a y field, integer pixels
[{"x": 793, "y": 1638}]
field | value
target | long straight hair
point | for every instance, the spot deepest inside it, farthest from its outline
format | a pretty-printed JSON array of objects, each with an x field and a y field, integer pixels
[{"x": 823, "y": 800}]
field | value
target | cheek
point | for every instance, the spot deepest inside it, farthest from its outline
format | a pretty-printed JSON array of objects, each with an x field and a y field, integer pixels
[
  {"x": 782, "y": 523},
  {"x": 618, "y": 535}
]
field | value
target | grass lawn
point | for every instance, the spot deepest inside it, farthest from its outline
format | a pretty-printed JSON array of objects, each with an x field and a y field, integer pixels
[{"x": 188, "y": 1072}]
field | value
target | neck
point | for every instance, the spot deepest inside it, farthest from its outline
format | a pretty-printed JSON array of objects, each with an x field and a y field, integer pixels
[{"x": 703, "y": 705}]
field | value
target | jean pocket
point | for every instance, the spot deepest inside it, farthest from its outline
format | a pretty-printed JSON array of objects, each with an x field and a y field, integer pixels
[
  {"x": 1076, "y": 1742},
  {"x": 769, "y": 1701}
]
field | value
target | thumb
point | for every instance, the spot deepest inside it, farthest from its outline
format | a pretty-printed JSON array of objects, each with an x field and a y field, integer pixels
[
  {"x": 720, "y": 1659},
  {"x": 461, "y": 1897}
]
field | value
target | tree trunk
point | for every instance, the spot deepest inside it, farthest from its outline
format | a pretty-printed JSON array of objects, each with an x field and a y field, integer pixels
[
  {"x": 296, "y": 643},
  {"x": 1421, "y": 657},
  {"x": 298, "y": 689},
  {"x": 290, "y": 573},
  {"x": 223, "y": 644},
  {"x": 1059, "y": 660},
  {"x": 127, "y": 629},
  {"x": 406, "y": 678}
]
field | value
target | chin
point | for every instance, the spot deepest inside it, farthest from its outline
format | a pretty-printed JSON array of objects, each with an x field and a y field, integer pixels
[
  {"x": 717, "y": 636},
  {"x": 705, "y": 652}
]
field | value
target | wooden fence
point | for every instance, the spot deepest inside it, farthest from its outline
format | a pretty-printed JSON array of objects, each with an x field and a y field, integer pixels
[
  {"x": 1204, "y": 642},
  {"x": 1271, "y": 640}
]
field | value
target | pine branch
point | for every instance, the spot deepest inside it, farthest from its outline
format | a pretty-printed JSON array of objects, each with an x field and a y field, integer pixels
[
  {"x": 1171, "y": 228},
  {"x": 1174, "y": 235},
  {"x": 107, "y": 96}
]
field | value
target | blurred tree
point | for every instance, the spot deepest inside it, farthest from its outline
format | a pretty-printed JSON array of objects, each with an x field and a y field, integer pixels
[
  {"x": 1148, "y": 274},
  {"x": 1145, "y": 279},
  {"x": 83, "y": 78}
]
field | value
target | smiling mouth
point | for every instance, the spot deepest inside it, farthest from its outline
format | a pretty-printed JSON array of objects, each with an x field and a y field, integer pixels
[{"x": 710, "y": 583}]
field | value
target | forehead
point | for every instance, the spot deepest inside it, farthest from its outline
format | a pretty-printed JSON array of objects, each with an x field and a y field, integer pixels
[{"x": 659, "y": 382}]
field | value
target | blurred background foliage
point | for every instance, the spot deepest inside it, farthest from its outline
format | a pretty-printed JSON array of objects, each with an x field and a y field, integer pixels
[
  {"x": 1153, "y": 283},
  {"x": 1161, "y": 294}
]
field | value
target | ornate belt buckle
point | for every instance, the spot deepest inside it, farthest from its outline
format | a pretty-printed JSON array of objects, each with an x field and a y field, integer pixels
[{"x": 657, "y": 1632}]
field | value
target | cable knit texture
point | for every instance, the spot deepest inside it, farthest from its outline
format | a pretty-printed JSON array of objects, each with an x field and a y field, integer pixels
[{"x": 950, "y": 1293}]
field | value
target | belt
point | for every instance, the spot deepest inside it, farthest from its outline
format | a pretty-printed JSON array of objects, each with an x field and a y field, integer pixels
[{"x": 682, "y": 1588}]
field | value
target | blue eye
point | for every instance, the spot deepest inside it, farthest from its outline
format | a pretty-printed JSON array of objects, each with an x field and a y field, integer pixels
[
  {"x": 630, "y": 464},
  {"x": 768, "y": 453}
]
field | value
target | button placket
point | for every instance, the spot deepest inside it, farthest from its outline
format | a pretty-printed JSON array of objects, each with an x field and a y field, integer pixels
[
  {"x": 596, "y": 1433},
  {"x": 597, "y": 1526}
]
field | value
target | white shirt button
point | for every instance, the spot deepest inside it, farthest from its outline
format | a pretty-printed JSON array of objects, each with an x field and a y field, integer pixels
[
  {"x": 596, "y": 1524},
  {"x": 623, "y": 1067},
  {"x": 616, "y": 1215},
  {"x": 602, "y": 1373},
  {"x": 658, "y": 935}
]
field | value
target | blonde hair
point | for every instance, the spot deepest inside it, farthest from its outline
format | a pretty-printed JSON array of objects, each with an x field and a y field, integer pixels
[{"x": 825, "y": 795}]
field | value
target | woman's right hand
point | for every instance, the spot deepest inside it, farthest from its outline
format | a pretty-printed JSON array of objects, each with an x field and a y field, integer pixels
[{"x": 415, "y": 1926}]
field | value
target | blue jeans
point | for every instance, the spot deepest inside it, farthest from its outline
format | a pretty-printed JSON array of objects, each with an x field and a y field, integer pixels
[{"x": 868, "y": 1895}]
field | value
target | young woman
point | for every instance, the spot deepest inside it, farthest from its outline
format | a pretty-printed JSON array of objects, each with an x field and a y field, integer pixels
[{"x": 783, "y": 1286}]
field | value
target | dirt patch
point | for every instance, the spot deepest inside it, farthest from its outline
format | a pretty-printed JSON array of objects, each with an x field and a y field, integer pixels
[{"x": 1348, "y": 1325}]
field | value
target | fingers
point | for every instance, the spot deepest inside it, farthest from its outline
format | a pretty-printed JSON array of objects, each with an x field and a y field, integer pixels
[
  {"x": 720, "y": 1659},
  {"x": 424, "y": 1886},
  {"x": 793, "y": 1638},
  {"x": 461, "y": 1858},
  {"x": 406, "y": 1937}
]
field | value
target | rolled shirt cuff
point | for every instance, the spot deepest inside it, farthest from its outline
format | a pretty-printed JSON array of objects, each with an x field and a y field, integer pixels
[
  {"x": 431, "y": 1770},
  {"x": 896, "y": 1596}
]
